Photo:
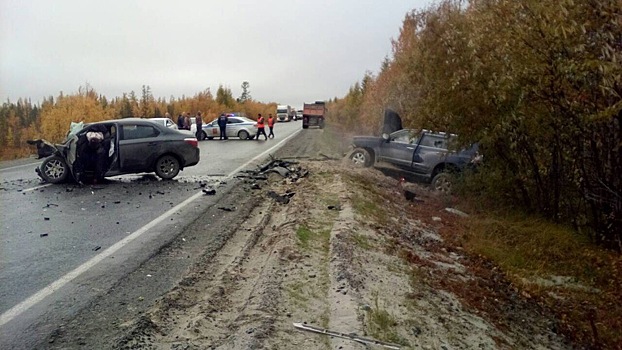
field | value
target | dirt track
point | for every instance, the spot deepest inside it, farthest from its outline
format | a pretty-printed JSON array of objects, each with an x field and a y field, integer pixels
[{"x": 347, "y": 253}]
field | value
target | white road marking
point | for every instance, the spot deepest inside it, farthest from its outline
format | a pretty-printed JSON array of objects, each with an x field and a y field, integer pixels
[
  {"x": 35, "y": 188},
  {"x": 19, "y": 166},
  {"x": 18, "y": 309}
]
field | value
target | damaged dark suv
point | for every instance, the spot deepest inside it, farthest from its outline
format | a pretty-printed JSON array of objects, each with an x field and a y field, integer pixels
[{"x": 423, "y": 153}]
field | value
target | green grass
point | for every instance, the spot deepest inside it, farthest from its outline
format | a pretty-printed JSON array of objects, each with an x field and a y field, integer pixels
[
  {"x": 381, "y": 324},
  {"x": 361, "y": 241},
  {"x": 303, "y": 233}
]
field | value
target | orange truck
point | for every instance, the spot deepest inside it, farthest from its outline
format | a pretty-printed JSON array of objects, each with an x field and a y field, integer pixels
[{"x": 313, "y": 114}]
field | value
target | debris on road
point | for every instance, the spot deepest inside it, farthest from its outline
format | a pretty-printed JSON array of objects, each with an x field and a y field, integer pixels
[
  {"x": 209, "y": 191},
  {"x": 226, "y": 208},
  {"x": 283, "y": 199},
  {"x": 43, "y": 235}
]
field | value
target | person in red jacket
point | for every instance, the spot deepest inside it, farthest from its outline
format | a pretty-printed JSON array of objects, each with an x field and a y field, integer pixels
[
  {"x": 271, "y": 126},
  {"x": 261, "y": 127}
]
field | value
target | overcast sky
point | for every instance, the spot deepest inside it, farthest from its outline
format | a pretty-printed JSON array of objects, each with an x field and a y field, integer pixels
[{"x": 290, "y": 51}]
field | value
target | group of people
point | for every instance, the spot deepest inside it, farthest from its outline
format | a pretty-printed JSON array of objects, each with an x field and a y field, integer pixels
[
  {"x": 261, "y": 127},
  {"x": 184, "y": 122}
]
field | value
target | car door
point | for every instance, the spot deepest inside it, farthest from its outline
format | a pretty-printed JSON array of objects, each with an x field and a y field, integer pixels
[
  {"x": 233, "y": 126},
  {"x": 139, "y": 145},
  {"x": 399, "y": 148},
  {"x": 432, "y": 149}
]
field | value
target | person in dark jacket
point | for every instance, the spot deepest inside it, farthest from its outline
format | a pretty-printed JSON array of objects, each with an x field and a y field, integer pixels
[
  {"x": 91, "y": 154},
  {"x": 222, "y": 125},
  {"x": 180, "y": 122},
  {"x": 199, "y": 122}
]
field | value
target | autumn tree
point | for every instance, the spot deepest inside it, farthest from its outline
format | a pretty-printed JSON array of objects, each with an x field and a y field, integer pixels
[
  {"x": 246, "y": 93},
  {"x": 224, "y": 97}
]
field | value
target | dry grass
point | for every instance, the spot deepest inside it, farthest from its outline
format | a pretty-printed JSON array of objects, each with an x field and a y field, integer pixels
[{"x": 580, "y": 282}]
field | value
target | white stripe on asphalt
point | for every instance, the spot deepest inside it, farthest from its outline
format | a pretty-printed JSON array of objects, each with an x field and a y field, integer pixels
[
  {"x": 35, "y": 188},
  {"x": 19, "y": 166},
  {"x": 18, "y": 309}
]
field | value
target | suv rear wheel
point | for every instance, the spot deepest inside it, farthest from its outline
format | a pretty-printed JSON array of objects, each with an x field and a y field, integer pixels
[{"x": 361, "y": 157}]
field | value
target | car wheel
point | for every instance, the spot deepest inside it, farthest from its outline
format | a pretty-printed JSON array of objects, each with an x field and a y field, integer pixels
[
  {"x": 360, "y": 157},
  {"x": 54, "y": 169},
  {"x": 442, "y": 182},
  {"x": 167, "y": 167},
  {"x": 210, "y": 138},
  {"x": 243, "y": 135},
  {"x": 203, "y": 135}
]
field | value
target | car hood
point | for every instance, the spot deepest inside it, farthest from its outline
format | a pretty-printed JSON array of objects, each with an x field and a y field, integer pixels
[{"x": 392, "y": 121}]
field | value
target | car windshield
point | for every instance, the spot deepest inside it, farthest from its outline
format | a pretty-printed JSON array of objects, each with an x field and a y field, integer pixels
[{"x": 281, "y": 111}]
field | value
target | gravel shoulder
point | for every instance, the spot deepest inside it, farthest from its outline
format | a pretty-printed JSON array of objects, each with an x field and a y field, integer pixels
[{"x": 340, "y": 248}]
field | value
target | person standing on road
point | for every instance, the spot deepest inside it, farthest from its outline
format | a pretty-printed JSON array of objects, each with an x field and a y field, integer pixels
[
  {"x": 199, "y": 121},
  {"x": 222, "y": 125},
  {"x": 261, "y": 127},
  {"x": 180, "y": 122},
  {"x": 271, "y": 126}
]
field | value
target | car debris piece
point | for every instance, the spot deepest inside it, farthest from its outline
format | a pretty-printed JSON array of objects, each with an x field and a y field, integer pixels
[
  {"x": 226, "y": 208},
  {"x": 43, "y": 235},
  {"x": 334, "y": 207},
  {"x": 283, "y": 199},
  {"x": 457, "y": 212},
  {"x": 280, "y": 170},
  {"x": 209, "y": 191},
  {"x": 350, "y": 336},
  {"x": 97, "y": 248}
]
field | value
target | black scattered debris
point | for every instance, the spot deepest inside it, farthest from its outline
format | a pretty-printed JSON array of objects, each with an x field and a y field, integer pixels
[
  {"x": 117, "y": 202},
  {"x": 46, "y": 219},
  {"x": 160, "y": 192},
  {"x": 334, "y": 207},
  {"x": 50, "y": 205},
  {"x": 209, "y": 191},
  {"x": 280, "y": 170},
  {"x": 97, "y": 248},
  {"x": 44, "y": 148},
  {"x": 255, "y": 186},
  {"x": 69, "y": 189},
  {"x": 226, "y": 208},
  {"x": 283, "y": 199},
  {"x": 43, "y": 235},
  {"x": 409, "y": 195}
]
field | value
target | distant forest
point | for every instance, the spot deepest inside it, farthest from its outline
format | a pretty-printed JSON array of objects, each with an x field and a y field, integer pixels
[{"x": 50, "y": 119}]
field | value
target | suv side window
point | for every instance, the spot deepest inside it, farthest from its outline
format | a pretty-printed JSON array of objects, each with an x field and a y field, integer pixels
[
  {"x": 433, "y": 141},
  {"x": 403, "y": 136}
]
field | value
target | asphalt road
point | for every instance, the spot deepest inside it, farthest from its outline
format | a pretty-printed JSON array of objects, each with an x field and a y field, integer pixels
[{"x": 62, "y": 245}]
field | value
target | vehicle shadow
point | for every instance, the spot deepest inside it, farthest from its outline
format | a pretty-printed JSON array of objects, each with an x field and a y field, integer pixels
[{"x": 398, "y": 174}]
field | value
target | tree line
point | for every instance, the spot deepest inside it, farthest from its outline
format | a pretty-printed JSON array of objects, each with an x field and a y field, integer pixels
[
  {"x": 50, "y": 119},
  {"x": 537, "y": 83}
]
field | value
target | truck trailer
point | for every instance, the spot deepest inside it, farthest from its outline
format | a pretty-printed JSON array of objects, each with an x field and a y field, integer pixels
[{"x": 313, "y": 114}]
